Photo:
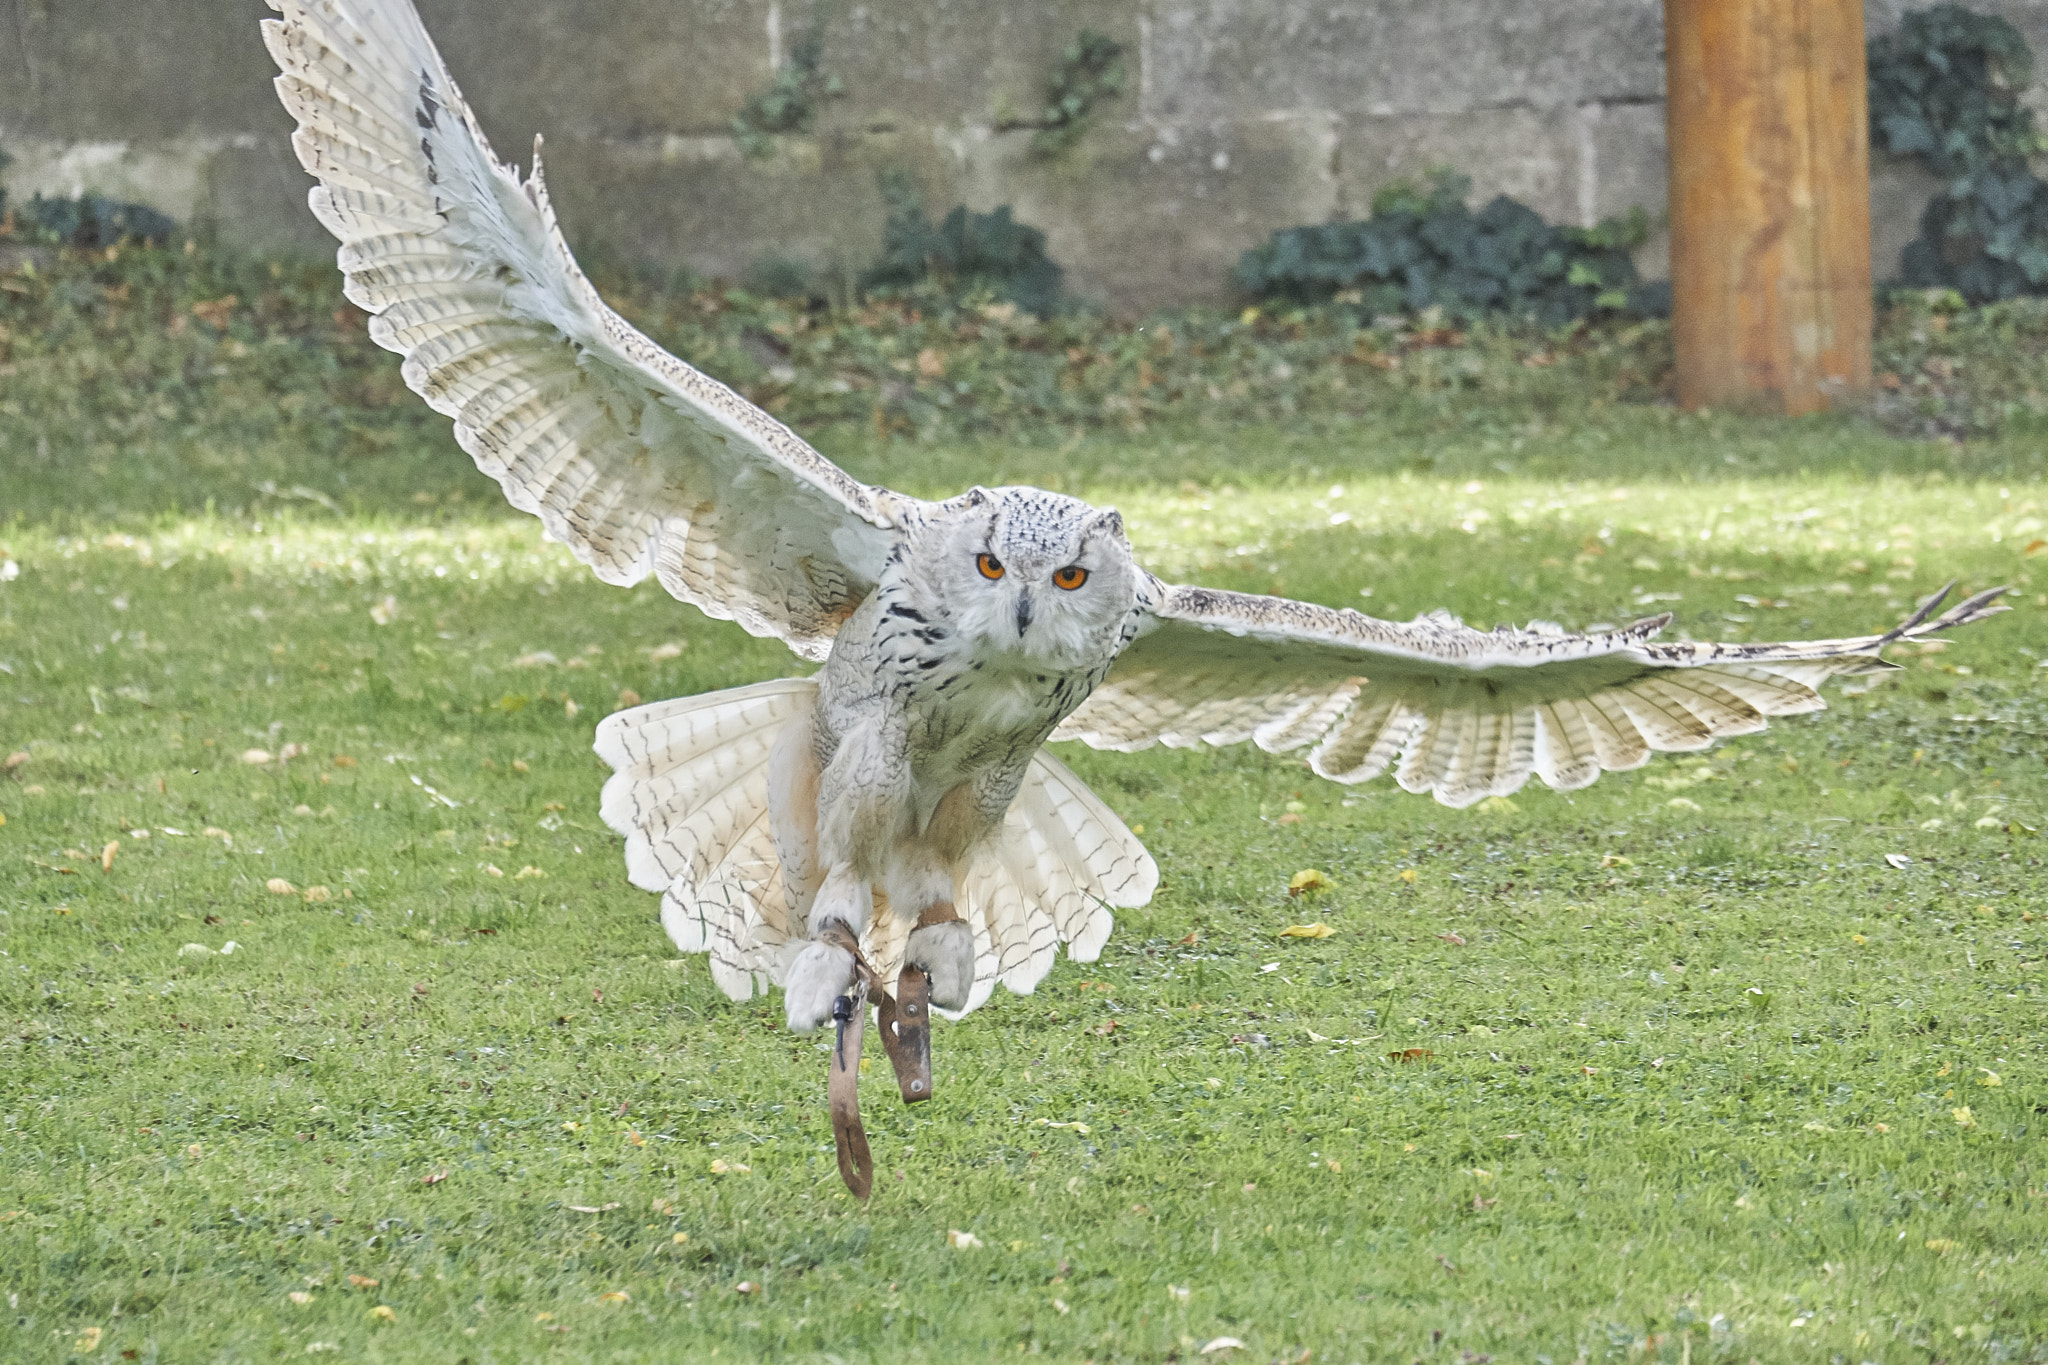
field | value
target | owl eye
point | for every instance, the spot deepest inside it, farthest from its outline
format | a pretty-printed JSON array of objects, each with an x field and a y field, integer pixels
[
  {"x": 991, "y": 567},
  {"x": 1070, "y": 578}
]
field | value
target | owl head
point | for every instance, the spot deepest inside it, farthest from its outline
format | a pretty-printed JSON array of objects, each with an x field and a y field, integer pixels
[{"x": 1020, "y": 571}]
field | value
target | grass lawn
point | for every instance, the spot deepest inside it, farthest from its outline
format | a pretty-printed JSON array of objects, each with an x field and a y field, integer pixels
[{"x": 1735, "y": 1057}]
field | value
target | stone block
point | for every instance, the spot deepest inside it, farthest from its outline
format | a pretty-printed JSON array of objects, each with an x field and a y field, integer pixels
[
  {"x": 1142, "y": 216},
  {"x": 1384, "y": 58}
]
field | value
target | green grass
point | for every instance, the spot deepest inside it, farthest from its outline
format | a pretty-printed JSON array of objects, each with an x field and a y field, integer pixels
[
  {"x": 1693, "y": 1049},
  {"x": 1683, "y": 1052}
]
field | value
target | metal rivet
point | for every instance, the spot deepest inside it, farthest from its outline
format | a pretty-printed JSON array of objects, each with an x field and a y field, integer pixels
[{"x": 917, "y": 1085}]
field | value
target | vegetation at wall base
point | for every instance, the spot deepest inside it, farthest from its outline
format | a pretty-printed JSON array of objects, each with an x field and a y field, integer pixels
[
  {"x": 1946, "y": 88},
  {"x": 966, "y": 254},
  {"x": 1424, "y": 248}
]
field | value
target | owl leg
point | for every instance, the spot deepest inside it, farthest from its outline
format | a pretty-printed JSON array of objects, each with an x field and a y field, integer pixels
[
  {"x": 824, "y": 970},
  {"x": 942, "y": 945}
]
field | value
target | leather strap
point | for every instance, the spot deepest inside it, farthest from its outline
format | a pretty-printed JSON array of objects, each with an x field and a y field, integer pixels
[
  {"x": 905, "y": 1022},
  {"x": 856, "y": 1166}
]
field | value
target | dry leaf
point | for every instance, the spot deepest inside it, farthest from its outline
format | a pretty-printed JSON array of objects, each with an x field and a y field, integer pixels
[
  {"x": 1898, "y": 860},
  {"x": 722, "y": 1167},
  {"x": 1407, "y": 874},
  {"x": 300, "y": 1297},
  {"x": 107, "y": 855},
  {"x": 88, "y": 1340},
  {"x": 195, "y": 950},
  {"x": 1307, "y": 882},
  {"x": 1453, "y": 937},
  {"x": 746, "y": 1287},
  {"x": 278, "y": 886},
  {"x": 14, "y": 760},
  {"x": 1218, "y": 1344},
  {"x": 592, "y": 1208},
  {"x": 1316, "y": 930},
  {"x": 1412, "y": 1054},
  {"x": 1941, "y": 1246},
  {"x": 1963, "y": 1117},
  {"x": 256, "y": 757},
  {"x": 931, "y": 364},
  {"x": 384, "y": 1312},
  {"x": 433, "y": 1178},
  {"x": 318, "y": 895},
  {"x": 628, "y": 697},
  {"x": 1060, "y": 1306},
  {"x": 615, "y": 1296},
  {"x": 361, "y": 1282},
  {"x": 962, "y": 1241},
  {"x": 385, "y": 612},
  {"x": 2034, "y": 547}
]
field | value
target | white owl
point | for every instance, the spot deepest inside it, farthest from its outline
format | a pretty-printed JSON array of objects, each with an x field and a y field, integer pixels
[{"x": 902, "y": 798}]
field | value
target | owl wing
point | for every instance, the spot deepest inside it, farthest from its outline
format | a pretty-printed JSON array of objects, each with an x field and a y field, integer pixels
[
  {"x": 634, "y": 460},
  {"x": 1462, "y": 713}
]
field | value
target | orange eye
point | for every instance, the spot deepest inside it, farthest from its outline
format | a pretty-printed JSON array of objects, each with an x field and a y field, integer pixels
[
  {"x": 991, "y": 567},
  {"x": 1070, "y": 578}
]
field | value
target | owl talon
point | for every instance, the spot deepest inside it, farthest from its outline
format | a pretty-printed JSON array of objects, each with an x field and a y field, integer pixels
[
  {"x": 946, "y": 954},
  {"x": 820, "y": 972}
]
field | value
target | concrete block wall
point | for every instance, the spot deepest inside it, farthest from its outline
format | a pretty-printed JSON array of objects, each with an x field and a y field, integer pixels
[{"x": 1242, "y": 116}]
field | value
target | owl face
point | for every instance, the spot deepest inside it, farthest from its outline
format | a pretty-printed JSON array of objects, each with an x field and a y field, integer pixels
[{"x": 1024, "y": 572}]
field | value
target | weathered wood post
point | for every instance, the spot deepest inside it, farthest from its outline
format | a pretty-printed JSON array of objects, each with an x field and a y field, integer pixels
[{"x": 1770, "y": 201}]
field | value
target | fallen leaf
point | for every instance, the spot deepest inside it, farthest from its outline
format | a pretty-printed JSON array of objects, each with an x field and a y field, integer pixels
[
  {"x": 1682, "y": 803},
  {"x": 361, "y": 1282},
  {"x": 1498, "y": 805},
  {"x": 1989, "y": 1077},
  {"x": 633, "y": 1139},
  {"x": 1963, "y": 1117},
  {"x": 628, "y": 698},
  {"x": 14, "y": 760},
  {"x": 615, "y": 1296},
  {"x": 730, "y": 1167},
  {"x": 1407, "y": 874},
  {"x": 1316, "y": 930},
  {"x": 1179, "y": 1291},
  {"x": 962, "y": 1241},
  {"x": 1308, "y": 882},
  {"x": 1192, "y": 938},
  {"x": 88, "y": 1340},
  {"x": 746, "y": 1287},
  {"x": 318, "y": 895},
  {"x": 384, "y": 1312},
  {"x": 300, "y": 1297},
  {"x": 2034, "y": 547},
  {"x": 596, "y": 1208},
  {"x": 1898, "y": 860},
  {"x": 1941, "y": 1246},
  {"x": 1060, "y": 1307},
  {"x": 433, "y": 1177},
  {"x": 107, "y": 855},
  {"x": 1219, "y": 1344},
  {"x": 1616, "y": 860},
  {"x": 527, "y": 873},
  {"x": 278, "y": 886},
  {"x": 1412, "y": 1054},
  {"x": 195, "y": 950},
  {"x": 385, "y": 612},
  {"x": 256, "y": 757},
  {"x": 1453, "y": 937},
  {"x": 930, "y": 364}
]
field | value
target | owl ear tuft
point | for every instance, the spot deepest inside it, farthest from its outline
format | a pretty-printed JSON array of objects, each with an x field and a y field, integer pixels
[
  {"x": 976, "y": 496},
  {"x": 1109, "y": 521}
]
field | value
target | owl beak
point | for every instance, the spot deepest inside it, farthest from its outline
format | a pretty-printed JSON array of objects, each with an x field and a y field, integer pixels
[{"x": 1023, "y": 613}]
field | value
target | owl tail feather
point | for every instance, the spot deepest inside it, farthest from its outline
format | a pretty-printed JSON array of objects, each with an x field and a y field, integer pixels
[{"x": 689, "y": 793}]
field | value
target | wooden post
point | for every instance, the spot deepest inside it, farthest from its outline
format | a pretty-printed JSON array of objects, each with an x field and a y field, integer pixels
[{"x": 1770, "y": 202}]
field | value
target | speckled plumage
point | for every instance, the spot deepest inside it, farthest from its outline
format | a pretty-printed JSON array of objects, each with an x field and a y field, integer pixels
[{"x": 909, "y": 774}]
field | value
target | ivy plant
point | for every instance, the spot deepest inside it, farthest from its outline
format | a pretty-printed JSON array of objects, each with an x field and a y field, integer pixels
[
  {"x": 966, "y": 252},
  {"x": 1945, "y": 88},
  {"x": 791, "y": 102},
  {"x": 1090, "y": 71},
  {"x": 1424, "y": 248}
]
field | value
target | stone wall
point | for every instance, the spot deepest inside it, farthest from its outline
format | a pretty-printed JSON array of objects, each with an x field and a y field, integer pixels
[{"x": 1242, "y": 116}]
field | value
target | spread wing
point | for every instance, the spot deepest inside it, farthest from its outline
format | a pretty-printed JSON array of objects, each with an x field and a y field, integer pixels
[
  {"x": 637, "y": 462},
  {"x": 1463, "y": 713}
]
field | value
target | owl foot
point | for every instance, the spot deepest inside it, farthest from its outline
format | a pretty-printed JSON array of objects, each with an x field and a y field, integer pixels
[
  {"x": 945, "y": 952},
  {"x": 820, "y": 972}
]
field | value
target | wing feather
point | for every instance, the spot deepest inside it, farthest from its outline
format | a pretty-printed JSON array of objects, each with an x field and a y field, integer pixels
[
  {"x": 639, "y": 463},
  {"x": 1461, "y": 713}
]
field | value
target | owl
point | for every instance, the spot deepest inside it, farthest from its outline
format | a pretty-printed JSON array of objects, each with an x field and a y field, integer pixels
[{"x": 897, "y": 811}]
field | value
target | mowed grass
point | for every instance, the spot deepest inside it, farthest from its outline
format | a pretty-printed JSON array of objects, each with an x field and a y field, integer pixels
[{"x": 1679, "y": 1067}]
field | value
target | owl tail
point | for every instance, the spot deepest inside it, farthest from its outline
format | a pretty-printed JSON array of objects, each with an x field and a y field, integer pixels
[{"x": 689, "y": 792}]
